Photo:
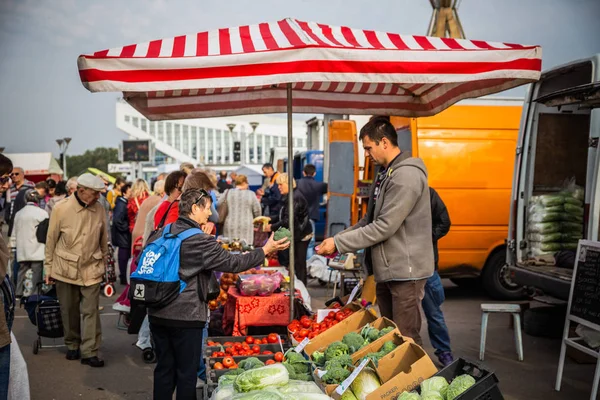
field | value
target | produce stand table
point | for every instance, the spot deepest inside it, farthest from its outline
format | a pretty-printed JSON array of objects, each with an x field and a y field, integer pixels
[{"x": 245, "y": 311}]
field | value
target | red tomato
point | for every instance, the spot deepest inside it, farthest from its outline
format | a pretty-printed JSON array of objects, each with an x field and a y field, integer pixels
[
  {"x": 256, "y": 341},
  {"x": 303, "y": 333},
  {"x": 267, "y": 352},
  {"x": 316, "y": 326},
  {"x": 339, "y": 316},
  {"x": 237, "y": 346},
  {"x": 256, "y": 349},
  {"x": 245, "y": 346},
  {"x": 218, "y": 366},
  {"x": 228, "y": 362},
  {"x": 278, "y": 356},
  {"x": 228, "y": 344},
  {"x": 306, "y": 323},
  {"x": 269, "y": 362},
  {"x": 249, "y": 340},
  {"x": 273, "y": 338},
  {"x": 215, "y": 354},
  {"x": 210, "y": 343},
  {"x": 220, "y": 354},
  {"x": 312, "y": 335},
  {"x": 229, "y": 350},
  {"x": 334, "y": 323},
  {"x": 331, "y": 314}
]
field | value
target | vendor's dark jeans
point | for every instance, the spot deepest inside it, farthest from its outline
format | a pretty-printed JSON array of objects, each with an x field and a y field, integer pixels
[
  {"x": 178, "y": 353},
  {"x": 436, "y": 325}
]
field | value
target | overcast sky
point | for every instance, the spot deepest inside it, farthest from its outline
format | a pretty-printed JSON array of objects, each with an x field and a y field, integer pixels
[{"x": 42, "y": 98}]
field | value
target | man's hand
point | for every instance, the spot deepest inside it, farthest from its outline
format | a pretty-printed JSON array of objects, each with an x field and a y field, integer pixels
[
  {"x": 326, "y": 247},
  {"x": 208, "y": 228},
  {"x": 48, "y": 280},
  {"x": 267, "y": 228}
]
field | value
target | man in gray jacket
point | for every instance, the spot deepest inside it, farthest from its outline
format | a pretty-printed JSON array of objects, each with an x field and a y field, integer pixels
[{"x": 396, "y": 233}]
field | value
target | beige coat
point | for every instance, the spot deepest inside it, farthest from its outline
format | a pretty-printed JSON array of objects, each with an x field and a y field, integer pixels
[{"x": 77, "y": 243}]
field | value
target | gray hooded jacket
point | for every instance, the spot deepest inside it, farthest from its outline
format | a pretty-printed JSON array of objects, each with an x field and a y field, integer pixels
[{"x": 400, "y": 235}]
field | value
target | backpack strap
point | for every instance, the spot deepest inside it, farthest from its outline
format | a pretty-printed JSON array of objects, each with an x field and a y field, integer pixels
[{"x": 183, "y": 235}]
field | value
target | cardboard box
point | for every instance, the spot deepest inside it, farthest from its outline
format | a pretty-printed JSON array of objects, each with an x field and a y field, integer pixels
[
  {"x": 331, "y": 389},
  {"x": 353, "y": 323},
  {"x": 394, "y": 336},
  {"x": 403, "y": 370}
]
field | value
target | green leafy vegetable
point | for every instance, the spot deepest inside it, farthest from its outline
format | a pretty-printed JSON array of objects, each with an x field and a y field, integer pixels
[
  {"x": 385, "y": 331},
  {"x": 354, "y": 341},
  {"x": 365, "y": 383},
  {"x": 459, "y": 385},
  {"x": 336, "y": 349},
  {"x": 260, "y": 378},
  {"x": 295, "y": 386},
  {"x": 269, "y": 394},
  {"x": 436, "y": 384},
  {"x": 388, "y": 347},
  {"x": 431, "y": 395},
  {"x": 301, "y": 365},
  {"x": 318, "y": 358},
  {"x": 335, "y": 375},
  {"x": 250, "y": 363},
  {"x": 343, "y": 361},
  {"x": 282, "y": 233},
  {"x": 348, "y": 395},
  {"x": 307, "y": 396},
  {"x": 223, "y": 392}
]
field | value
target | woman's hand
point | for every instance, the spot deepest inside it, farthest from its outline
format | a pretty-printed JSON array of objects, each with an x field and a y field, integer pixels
[
  {"x": 272, "y": 245},
  {"x": 208, "y": 228}
]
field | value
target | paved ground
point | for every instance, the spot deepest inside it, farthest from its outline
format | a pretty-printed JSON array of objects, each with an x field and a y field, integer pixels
[{"x": 127, "y": 377}]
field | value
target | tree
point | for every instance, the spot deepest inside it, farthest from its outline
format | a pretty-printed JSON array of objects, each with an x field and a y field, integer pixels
[{"x": 99, "y": 158}]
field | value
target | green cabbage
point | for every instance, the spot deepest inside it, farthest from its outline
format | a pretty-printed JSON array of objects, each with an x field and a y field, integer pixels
[
  {"x": 459, "y": 385},
  {"x": 348, "y": 395},
  {"x": 282, "y": 233},
  {"x": 365, "y": 383},
  {"x": 300, "y": 387},
  {"x": 270, "y": 394},
  {"x": 260, "y": 378},
  {"x": 307, "y": 396},
  {"x": 409, "y": 396},
  {"x": 431, "y": 395},
  {"x": 223, "y": 392},
  {"x": 434, "y": 384}
]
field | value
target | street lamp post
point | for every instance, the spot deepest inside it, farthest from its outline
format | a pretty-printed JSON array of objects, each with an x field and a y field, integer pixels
[
  {"x": 63, "y": 145},
  {"x": 254, "y": 125}
]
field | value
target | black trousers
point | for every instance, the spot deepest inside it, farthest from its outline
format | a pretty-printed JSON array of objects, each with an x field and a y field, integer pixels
[
  {"x": 178, "y": 353},
  {"x": 124, "y": 253}
]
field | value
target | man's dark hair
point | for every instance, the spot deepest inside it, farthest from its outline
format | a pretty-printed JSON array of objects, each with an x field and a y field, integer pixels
[
  {"x": 32, "y": 196},
  {"x": 172, "y": 181},
  {"x": 223, "y": 175},
  {"x": 268, "y": 166},
  {"x": 125, "y": 188},
  {"x": 310, "y": 170},
  {"x": 51, "y": 183},
  {"x": 119, "y": 181},
  {"x": 191, "y": 197},
  {"x": 61, "y": 188},
  {"x": 42, "y": 185},
  {"x": 378, "y": 128},
  {"x": 6, "y": 166}
]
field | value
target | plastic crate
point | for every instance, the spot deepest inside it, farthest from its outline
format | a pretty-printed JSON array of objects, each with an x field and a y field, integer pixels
[
  {"x": 235, "y": 339},
  {"x": 274, "y": 347},
  {"x": 211, "y": 361},
  {"x": 486, "y": 382}
]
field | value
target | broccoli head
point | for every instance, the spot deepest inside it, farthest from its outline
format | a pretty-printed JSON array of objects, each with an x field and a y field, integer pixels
[
  {"x": 343, "y": 361},
  {"x": 282, "y": 233},
  {"x": 297, "y": 361},
  {"x": 374, "y": 357},
  {"x": 354, "y": 341},
  {"x": 385, "y": 331},
  {"x": 370, "y": 333},
  {"x": 335, "y": 375},
  {"x": 388, "y": 347},
  {"x": 318, "y": 358},
  {"x": 336, "y": 349},
  {"x": 302, "y": 377}
]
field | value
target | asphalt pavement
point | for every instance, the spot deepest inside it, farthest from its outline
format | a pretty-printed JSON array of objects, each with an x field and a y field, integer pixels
[{"x": 126, "y": 376}]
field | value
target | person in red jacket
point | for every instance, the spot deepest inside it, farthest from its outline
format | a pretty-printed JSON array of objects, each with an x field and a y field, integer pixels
[
  {"x": 139, "y": 192},
  {"x": 173, "y": 189}
]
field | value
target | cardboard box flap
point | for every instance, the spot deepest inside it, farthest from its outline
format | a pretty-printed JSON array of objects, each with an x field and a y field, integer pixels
[{"x": 403, "y": 370}]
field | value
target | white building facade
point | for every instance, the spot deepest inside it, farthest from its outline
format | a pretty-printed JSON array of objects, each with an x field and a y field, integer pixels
[{"x": 209, "y": 141}]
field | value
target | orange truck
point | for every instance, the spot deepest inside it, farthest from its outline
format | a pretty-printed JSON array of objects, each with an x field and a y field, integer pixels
[{"x": 469, "y": 152}]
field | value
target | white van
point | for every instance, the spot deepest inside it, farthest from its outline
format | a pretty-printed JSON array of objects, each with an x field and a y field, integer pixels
[{"x": 557, "y": 148}]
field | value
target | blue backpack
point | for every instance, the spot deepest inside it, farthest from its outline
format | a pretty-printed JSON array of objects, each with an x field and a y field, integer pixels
[{"x": 155, "y": 283}]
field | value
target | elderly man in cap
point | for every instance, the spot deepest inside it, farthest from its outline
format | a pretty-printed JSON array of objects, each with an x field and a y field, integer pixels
[{"x": 76, "y": 247}]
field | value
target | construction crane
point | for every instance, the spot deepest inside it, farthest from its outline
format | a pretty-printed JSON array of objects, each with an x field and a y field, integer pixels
[{"x": 444, "y": 19}]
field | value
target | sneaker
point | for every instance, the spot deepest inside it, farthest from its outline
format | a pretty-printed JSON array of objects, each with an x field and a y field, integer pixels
[
  {"x": 93, "y": 362},
  {"x": 121, "y": 308},
  {"x": 73, "y": 355},
  {"x": 446, "y": 358}
]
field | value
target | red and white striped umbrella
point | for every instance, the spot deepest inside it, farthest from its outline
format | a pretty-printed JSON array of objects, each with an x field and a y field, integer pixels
[{"x": 246, "y": 69}]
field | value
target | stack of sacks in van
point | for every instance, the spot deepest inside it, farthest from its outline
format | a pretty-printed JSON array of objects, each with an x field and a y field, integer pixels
[{"x": 555, "y": 221}]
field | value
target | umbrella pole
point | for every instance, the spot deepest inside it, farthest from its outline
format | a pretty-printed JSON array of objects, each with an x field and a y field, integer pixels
[{"x": 291, "y": 197}]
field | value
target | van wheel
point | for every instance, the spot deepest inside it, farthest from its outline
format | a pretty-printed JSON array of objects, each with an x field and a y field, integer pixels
[{"x": 496, "y": 279}]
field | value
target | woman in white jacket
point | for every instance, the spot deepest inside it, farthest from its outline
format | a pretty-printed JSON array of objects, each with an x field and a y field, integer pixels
[{"x": 30, "y": 252}]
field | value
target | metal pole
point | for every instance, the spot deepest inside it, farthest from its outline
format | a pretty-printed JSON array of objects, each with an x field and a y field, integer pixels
[
  {"x": 64, "y": 152},
  {"x": 291, "y": 197}
]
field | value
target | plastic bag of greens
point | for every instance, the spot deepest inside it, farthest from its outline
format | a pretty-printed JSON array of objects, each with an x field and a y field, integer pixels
[
  {"x": 223, "y": 392},
  {"x": 545, "y": 237},
  {"x": 575, "y": 227},
  {"x": 572, "y": 190},
  {"x": 569, "y": 246},
  {"x": 267, "y": 394},
  {"x": 573, "y": 209},
  {"x": 543, "y": 216},
  {"x": 538, "y": 207},
  {"x": 306, "y": 396},
  {"x": 572, "y": 217},
  {"x": 544, "y": 227},
  {"x": 548, "y": 200},
  {"x": 546, "y": 247},
  {"x": 571, "y": 236}
]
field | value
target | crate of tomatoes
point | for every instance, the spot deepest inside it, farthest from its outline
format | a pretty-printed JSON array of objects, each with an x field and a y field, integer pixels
[
  {"x": 308, "y": 327},
  {"x": 244, "y": 346},
  {"x": 219, "y": 368}
]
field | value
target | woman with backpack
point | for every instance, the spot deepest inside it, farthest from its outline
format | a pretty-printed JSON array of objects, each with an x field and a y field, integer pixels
[{"x": 177, "y": 326}]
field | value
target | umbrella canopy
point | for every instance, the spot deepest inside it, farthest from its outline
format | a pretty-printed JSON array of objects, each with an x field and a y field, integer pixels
[{"x": 246, "y": 69}]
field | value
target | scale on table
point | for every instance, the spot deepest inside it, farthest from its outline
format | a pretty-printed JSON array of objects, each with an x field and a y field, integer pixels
[{"x": 345, "y": 260}]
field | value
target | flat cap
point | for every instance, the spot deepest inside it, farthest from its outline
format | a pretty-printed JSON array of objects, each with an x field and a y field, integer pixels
[{"x": 90, "y": 181}]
